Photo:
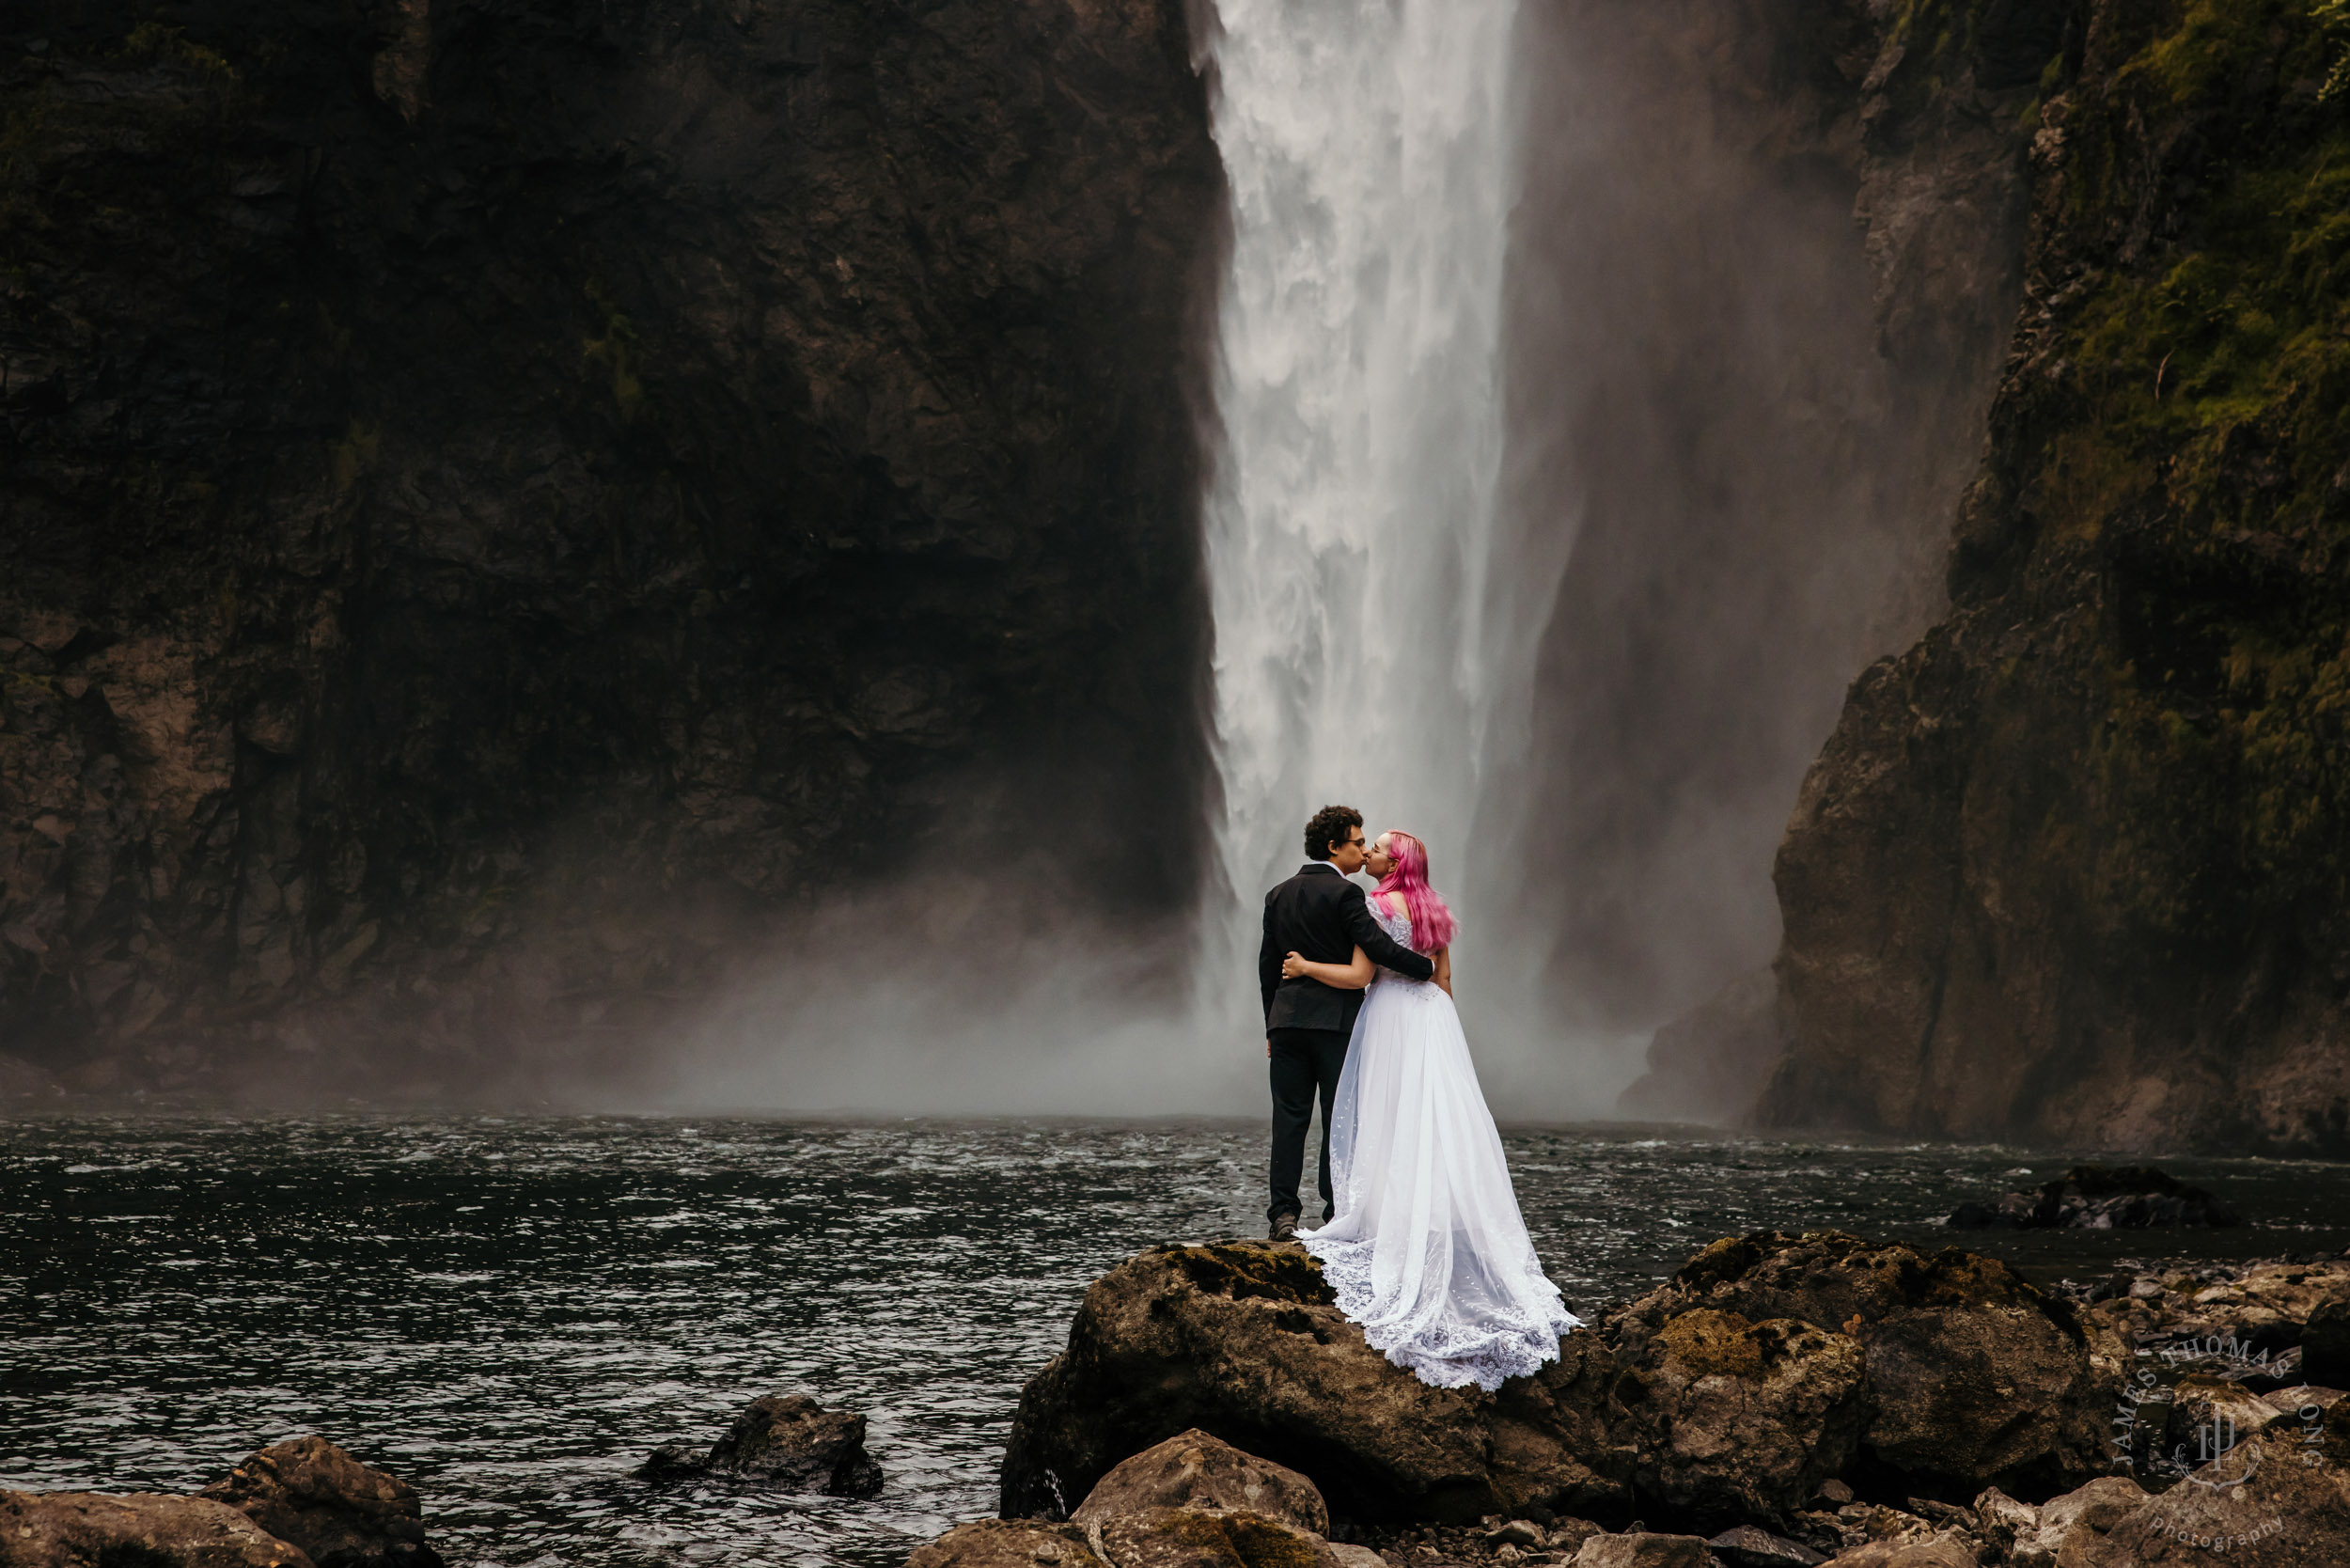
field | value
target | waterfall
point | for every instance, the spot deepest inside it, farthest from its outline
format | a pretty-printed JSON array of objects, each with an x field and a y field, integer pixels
[{"x": 1350, "y": 525}]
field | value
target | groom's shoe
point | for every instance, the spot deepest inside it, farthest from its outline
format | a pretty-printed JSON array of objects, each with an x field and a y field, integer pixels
[{"x": 1284, "y": 1228}]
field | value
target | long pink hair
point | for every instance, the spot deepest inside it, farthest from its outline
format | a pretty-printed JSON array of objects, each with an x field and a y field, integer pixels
[{"x": 1432, "y": 925}]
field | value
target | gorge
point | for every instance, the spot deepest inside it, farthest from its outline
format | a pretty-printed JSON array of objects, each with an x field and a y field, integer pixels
[{"x": 525, "y": 528}]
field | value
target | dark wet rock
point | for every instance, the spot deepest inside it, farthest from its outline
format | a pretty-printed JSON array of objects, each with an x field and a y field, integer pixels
[
  {"x": 2099, "y": 1197},
  {"x": 1643, "y": 1549},
  {"x": 1194, "y": 1469},
  {"x": 1974, "y": 1377},
  {"x": 1746, "y": 1547},
  {"x": 342, "y": 1513},
  {"x": 786, "y": 1439},
  {"x": 2325, "y": 1343},
  {"x": 140, "y": 1529},
  {"x": 1241, "y": 1340},
  {"x": 1735, "y": 1421}
]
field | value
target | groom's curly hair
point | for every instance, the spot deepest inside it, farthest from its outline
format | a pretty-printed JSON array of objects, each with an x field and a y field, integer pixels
[{"x": 1330, "y": 828}]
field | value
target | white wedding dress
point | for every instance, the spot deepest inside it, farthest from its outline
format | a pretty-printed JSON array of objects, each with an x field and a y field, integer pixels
[{"x": 1427, "y": 1250}]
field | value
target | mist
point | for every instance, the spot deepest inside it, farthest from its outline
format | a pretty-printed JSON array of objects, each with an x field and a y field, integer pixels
[{"x": 1729, "y": 480}]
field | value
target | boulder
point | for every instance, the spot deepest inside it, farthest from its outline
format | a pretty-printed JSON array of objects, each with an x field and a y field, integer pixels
[
  {"x": 140, "y": 1529},
  {"x": 1748, "y": 1547},
  {"x": 1733, "y": 1420},
  {"x": 1195, "y": 1470},
  {"x": 1241, "y": 1340},
  {"x": 1008, "y": 1543},
  {"x": 1201, "y": 1538},
  {"x": 1640, "y": 1549},
  {"x": 340, "y": 1513},
  {"x": 786, "y": 1439},
  {"x": 1975, "y": 1377},
  {"x": 2280, "y": 1499}
]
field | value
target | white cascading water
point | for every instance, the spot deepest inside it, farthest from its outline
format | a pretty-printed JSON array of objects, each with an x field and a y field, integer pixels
[{"x": 1350, "y": 526}]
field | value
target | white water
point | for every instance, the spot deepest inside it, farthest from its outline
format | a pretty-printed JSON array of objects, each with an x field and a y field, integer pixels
[{"x": 1351, "y": 526}]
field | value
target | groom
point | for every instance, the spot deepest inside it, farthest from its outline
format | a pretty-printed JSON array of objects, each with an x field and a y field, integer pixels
[{"x": 1318, "y": 915}]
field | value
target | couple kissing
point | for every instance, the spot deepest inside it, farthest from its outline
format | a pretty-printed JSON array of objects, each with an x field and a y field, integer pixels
[{"x": 1422, "y": 1238}]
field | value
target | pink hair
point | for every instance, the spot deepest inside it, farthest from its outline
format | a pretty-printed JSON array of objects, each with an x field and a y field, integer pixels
[{"x": 1432, "y": 925}]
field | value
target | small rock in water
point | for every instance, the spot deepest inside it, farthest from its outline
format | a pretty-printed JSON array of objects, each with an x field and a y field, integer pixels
[
  {"x": 315, "y": 1496},
  {"x": 1834, "y": 1492},
  {"x": 1517, "y": 1532},
  {"x": 1748, "y": 1547},
  {"x": 785, "y": 1439},
  {"x": 2099, "y": 1197}
]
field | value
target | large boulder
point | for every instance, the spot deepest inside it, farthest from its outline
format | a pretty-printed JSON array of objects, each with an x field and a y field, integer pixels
[
  {"x": 340, "y": 1513},
  {"x": 1975, "y": 1377},
  {"x": 140, "y": 1529},
  {"x": 1198, "y": 1471},
  {"x": 1242, "y": 1339},
  {"x": 1733, "y": 1420}
]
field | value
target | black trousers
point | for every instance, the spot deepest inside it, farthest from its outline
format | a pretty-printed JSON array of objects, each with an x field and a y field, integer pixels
[{"x": 1306, "y": 1062}]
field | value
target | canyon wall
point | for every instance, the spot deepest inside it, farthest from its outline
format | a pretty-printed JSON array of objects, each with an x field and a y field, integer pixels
[
  {"x": 2073, "y": 868},
  {"x": 500, "y": 506}
]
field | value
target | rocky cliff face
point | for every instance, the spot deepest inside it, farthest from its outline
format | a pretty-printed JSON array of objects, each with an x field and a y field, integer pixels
[
  {"x": 2074, "y": 867},
  {"x": 498, "y": 502}
]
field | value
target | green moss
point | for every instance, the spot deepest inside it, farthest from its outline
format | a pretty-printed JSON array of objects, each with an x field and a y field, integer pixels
[
  {"x": 2208, "y": 409},
  {"x": 617, "y": 352}
]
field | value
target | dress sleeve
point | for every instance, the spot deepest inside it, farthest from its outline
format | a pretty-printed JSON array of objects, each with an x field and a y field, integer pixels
[{"x": 1363, "y": 926}]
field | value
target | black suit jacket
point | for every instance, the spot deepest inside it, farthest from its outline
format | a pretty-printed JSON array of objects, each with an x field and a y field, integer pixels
[{"x": 1320, "y": 915}]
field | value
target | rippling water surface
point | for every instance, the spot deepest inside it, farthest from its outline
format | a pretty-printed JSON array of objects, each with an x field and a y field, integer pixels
[{"x": 510, "y": 1313}]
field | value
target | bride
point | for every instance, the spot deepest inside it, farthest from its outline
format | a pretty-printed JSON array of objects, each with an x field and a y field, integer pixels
[{"x": 1427, "y": 1250}]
